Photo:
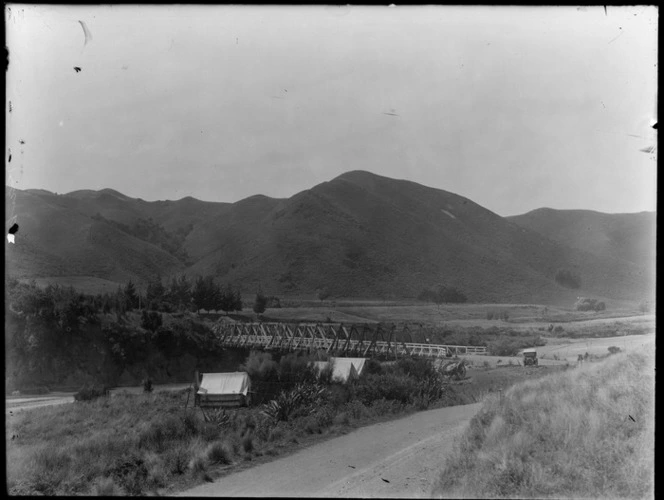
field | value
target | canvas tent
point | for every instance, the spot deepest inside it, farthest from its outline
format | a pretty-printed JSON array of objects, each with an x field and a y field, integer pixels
[
  {"x": 343, "y": 369},
  {"x": 223, "y": 390}
]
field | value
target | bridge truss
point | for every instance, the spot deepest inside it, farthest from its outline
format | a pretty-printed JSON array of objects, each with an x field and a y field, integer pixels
[{"x": 337, "y": 339}]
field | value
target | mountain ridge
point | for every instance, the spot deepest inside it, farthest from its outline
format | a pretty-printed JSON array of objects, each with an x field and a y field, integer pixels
[{"x": 356, "y": 235}]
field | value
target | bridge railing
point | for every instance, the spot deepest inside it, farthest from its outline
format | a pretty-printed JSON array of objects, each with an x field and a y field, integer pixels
[{"x": 333, "y": 338}]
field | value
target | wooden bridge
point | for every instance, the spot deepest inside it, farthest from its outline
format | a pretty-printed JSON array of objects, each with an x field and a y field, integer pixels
[{"x": 337, "y": 339}]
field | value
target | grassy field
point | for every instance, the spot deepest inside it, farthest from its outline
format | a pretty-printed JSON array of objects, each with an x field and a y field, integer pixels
[
  {"x": 585, "y": 433},
  {"x": 520, "y": 316},
  {"x": 566, "y": 349}
]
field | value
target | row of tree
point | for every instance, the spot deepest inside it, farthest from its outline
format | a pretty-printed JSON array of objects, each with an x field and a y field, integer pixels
[{"x": 181, "y": 295}]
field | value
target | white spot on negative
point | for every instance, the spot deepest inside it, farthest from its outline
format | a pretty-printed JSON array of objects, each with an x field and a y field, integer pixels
[{"x": 10, "y": 238}]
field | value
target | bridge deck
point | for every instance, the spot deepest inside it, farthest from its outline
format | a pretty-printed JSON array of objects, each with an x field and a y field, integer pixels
[{"x": 339, "y": 339}]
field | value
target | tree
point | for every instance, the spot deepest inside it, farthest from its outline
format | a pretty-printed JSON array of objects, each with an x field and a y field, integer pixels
[
  {"x": 180, "y": 292},
  {"x": 260, "y": 302},
  {"x": 131, "y": 297},
  {"x": 120, "y": 302},
  {"x": 199, "y": 293},
  {"x": 237, "y": 300},
  {"x": 205, "y": 293},
  {"x": 155, "y": 292},
  {"x": 151, "y": 321},
  {"x": 323, "y": 293}
]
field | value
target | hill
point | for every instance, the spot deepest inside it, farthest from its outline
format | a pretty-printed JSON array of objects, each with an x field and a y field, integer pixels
[
  {"x": 630, "y": 237},
  {"x": 57, "y": 238},
  {"x": 358, "y": 235},
  {"x": 363, "y": 235}
]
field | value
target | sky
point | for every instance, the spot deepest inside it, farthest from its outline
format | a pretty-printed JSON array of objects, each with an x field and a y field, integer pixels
[{"x": 516, "y": 108}]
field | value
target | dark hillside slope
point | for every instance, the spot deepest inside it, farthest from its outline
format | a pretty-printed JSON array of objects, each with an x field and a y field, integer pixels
[
  {"x": 55, "y": 239},
  {"x": 370, "y": 236},
  {"x": 174, "y": 216},
  {"x": 358, "y": 235}
]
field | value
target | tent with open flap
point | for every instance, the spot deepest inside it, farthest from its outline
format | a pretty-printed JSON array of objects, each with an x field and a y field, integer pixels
[{"x": 343, "y": 369}]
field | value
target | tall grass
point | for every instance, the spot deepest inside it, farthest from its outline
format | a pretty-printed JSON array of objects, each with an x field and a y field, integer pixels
[
  {"x": 137, "y": 444},
  {"x": 128, "y": 444},
  {"x": 586, "y": 432}
]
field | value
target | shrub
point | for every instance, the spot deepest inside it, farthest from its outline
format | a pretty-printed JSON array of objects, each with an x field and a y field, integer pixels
[
  {"x": 106, "y": 487},
  {"x": 177, "y": 459},
  {"x": 489, "y": 315},
  {"x": 384, "y": 407},
  {"x": 324, "y": 416},
  {"x": 311, "y": 426},
  {"x": 372, "y": 365},
  {"x": 587, "y": 304},
  {"x": 303, "y": 399},
  {"x": 198, "y": 465},
  {"x": 131, "y": 472},
  {"x": 151, "y": 321},
  {"x": 220, "y": 453},
  {"x": 260, "y": 303},
  {"x": 218, "y": 417},
  {"x": 385, "y": 386},
  {"x": 90, "y": 393},
  {"x": 417, "y": 368},
  {"x": 147, "y": 385},
  {"x": 248, "y": 443},
  {"x": 341, "y": 418},
  {"x": 339, "y": 394},
  {"x": 613, "y": 349},
  {"x": 356, "y": 409},
  {"x": 276, "y": 434}
]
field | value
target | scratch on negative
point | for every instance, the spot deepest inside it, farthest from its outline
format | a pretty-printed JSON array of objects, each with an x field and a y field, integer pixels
[{"x": 614, "y": 39}]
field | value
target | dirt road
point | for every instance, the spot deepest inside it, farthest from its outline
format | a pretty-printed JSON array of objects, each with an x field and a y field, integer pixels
[{"x": 401, "y": 458}]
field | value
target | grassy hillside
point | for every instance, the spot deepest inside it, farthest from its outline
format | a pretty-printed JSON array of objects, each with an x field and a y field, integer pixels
[{"x": 584, "y": 433}]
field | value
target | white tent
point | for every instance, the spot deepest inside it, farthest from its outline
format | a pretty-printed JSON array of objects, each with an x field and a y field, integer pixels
[
  {"x": 343, "y": 369},
  {"x": 224, "y": 389}
]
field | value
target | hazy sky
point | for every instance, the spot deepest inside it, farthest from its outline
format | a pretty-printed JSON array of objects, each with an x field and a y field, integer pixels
[{"x": 515, "y": 108}]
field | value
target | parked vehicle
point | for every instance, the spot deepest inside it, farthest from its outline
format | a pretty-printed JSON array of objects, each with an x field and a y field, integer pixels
[{"x": 530, "y": 357}]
